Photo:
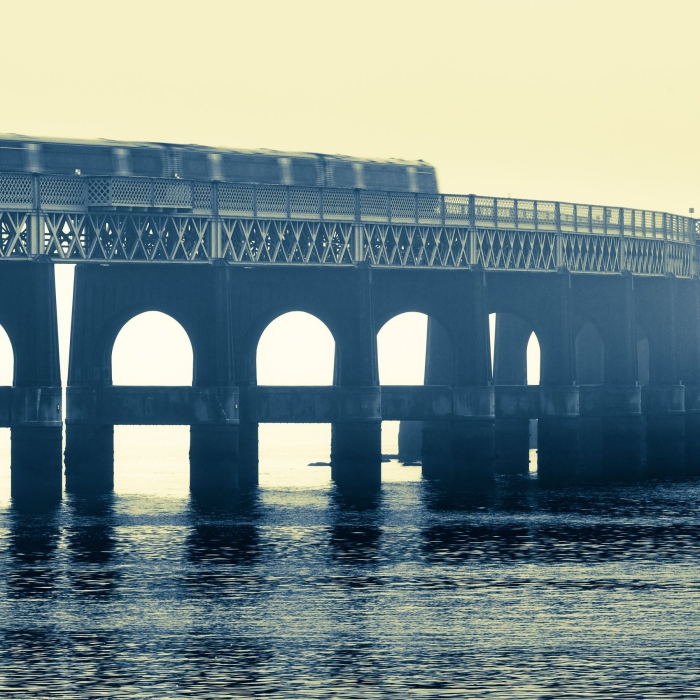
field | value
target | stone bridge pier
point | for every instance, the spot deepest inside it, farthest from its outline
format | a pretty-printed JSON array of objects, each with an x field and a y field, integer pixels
[
  {"x": 32, "y": 406},
  {"x": 105, "y": 298}
]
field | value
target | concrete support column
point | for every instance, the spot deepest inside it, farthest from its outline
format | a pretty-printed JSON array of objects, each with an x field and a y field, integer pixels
[
  {"x": 436, "y": 446},
  {"x": 664, "y": 409},
  {"x": 663, "y": 401},
  {"x": 462, "y": 450},
  {"x": 558, "y": 426},
  {"x": 510, "y": 369},
  {"x": 688, "y": 338},
  {"x": 36, "y": 412},
  {"x": 356, "y": 445},
  {"x": 247, "y": 445},
  {"x": 214, "y": 436},
  {"x": 213, "y": 459},
  {"x": 89, "y": 457},
  {"x": 623, "y": 431}
]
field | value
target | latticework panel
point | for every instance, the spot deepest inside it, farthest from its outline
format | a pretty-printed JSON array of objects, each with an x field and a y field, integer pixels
[
  {"x": 339, "y": 204},
  {"x": 457, "y": 209},
  {"x": 171, "y": 193},
  {"x": 291, "y": 242},
  {"x": 201, "y": 193},
  {"x": 131, "y": 192},
  {"x": 515, "y": 250},
  {"x": 581, "y": 253},
  {"x": 644, "y": 256},
  {"x": 416, "y": 246},
  {"x": 429, "y": 208},
  {"x": 305, "y": 203},
  {"x": 14, "y": 235},
  {"x": 403, "y": 207},
  {"x": 16, "y": 190},
  {"x": 236, "y": 199},
  {"x": 126, "y": 237},
  {"x": 678, "y": 259},
  {"x": 374, "y": 206},
  {"x": 62, "y": 192},
  {"x": 272, "y": 201}
]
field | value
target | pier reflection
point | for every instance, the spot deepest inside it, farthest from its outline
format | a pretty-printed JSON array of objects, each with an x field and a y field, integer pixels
[
  {"x": 33, "y": 541},
  {"x": 91, "y": 541}
]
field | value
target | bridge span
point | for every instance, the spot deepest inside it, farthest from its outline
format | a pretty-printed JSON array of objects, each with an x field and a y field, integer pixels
[{"x": 613, "y": 295}]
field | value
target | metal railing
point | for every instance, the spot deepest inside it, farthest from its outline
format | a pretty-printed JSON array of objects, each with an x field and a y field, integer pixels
[{"x": 142, "y": 219}]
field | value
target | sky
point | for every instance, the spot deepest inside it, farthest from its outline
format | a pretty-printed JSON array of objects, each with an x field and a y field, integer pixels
[{"x": 590, "y": 101}]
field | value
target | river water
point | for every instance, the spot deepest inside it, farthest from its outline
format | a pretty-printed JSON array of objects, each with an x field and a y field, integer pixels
[{"x": 519, "y": 591}]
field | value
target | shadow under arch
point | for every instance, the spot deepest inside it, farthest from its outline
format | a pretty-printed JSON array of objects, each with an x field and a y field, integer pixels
[{"x": 164, "y": 338}]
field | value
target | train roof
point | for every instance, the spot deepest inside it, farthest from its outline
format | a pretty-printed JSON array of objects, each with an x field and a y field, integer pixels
[
  {"x": 106, "y": 158},
  {"x": 22, "y": 139}
]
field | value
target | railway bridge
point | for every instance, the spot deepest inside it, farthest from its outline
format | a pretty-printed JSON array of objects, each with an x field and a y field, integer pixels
[{"x": 225, "y": 242}]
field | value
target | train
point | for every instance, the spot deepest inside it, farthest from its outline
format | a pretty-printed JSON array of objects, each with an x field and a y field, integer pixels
[{"x": 103, "y": 158}]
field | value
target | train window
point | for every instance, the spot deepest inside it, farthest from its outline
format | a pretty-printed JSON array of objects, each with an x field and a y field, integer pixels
[
  {"x": 304, "y": 172},
  {"x": 251, "y": 168},
  {"x": 385, "y": 176},
  {"x": 343, "y": 174},
  {"x": 195, "y": 166},
  {"x": 69, "y": 158},
  {"x": 147, "y": 162},
  {"x": 11, "y": 158},
  {"x": 426, "y": 180}
]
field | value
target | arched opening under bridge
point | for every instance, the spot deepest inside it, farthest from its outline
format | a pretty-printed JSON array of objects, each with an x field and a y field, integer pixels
[
  {"x": 7, "y": 369},
  {"x": 295, "y": 349},
  {"x": 401, "y": 356},
  {"x": 516, "y": 362},
  {"x": 152, "y": 349}
]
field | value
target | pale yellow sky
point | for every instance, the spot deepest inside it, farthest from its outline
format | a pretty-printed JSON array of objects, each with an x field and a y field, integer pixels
[{"x": 585, "y": 101}]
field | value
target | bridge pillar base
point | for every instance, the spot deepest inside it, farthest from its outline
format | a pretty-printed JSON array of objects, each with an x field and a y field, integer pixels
[
  {"x": 436, "y": 450},
  {"x": 664, "y": 408},
  {"x": 557, "y": 447},
  {"x": 623, "y": 445},
  {"x": 410, "y": 440},
  {"x": 473, "y": 450},
  {"x": 89, "y": 458},
  {"x": 512, "y": 446},
  {"x": 36, "y": 464},
  {"x": 356, "y": 454},
  {"x": 248, "y": 461},
  {"x": 558, "y": 433},
  {"x": 692, "y": 429},
  {"x": 214, "y": 459}
]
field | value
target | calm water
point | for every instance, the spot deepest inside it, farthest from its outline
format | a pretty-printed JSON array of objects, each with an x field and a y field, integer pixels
[{"x": 521, "y": 591}]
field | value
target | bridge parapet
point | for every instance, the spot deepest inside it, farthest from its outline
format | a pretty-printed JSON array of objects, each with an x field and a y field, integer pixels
[{"x": 121, "y": 219}]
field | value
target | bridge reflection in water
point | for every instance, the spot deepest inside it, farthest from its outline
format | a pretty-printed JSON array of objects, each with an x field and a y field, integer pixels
[{"x": 612, "y": 295}]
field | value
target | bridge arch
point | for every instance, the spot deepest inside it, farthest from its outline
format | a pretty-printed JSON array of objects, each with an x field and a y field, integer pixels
[
  {"x": 294, "y": 348},
  {"x": 170, "y": 360},
  {"x": 517, "y": 351},
  {"x": 7, "y": 359}
]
